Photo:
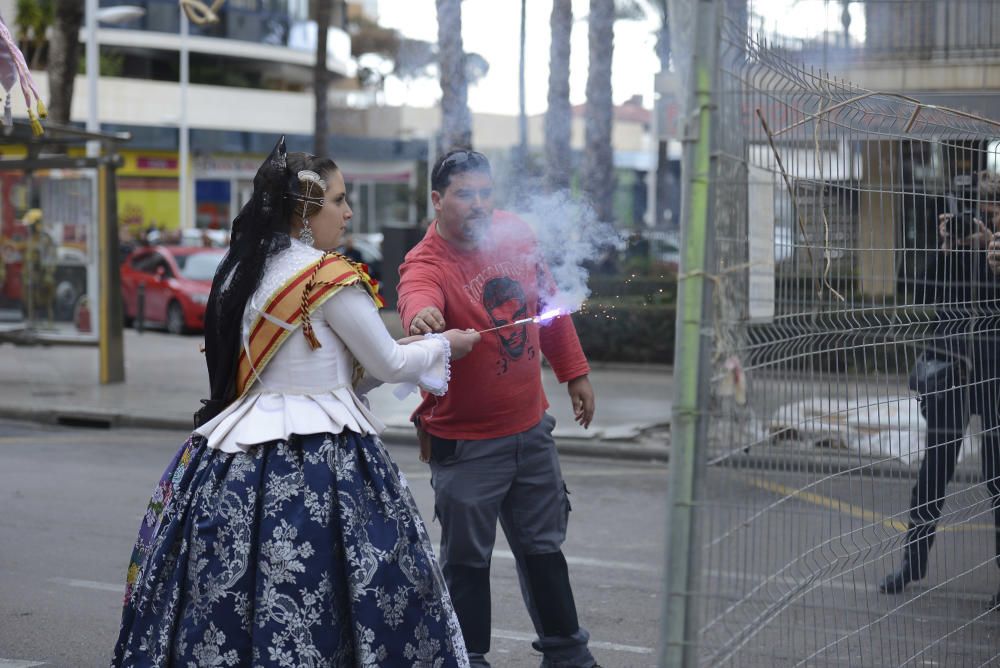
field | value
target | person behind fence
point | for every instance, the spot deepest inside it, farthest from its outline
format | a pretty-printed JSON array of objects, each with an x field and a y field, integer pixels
[
  {"x": 282, "y": 533},
  {"x": 490, "y": 445},
  {"x": 959, "y": 373}
]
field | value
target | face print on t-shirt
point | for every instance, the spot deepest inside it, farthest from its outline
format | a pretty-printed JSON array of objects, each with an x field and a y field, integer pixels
[{"x": 505, "y": 303}]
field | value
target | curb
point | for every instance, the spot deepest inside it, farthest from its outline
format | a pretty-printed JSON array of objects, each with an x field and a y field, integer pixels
[
  {"x": 828, "y": 463},
  {"x": 396, "y": 435}
]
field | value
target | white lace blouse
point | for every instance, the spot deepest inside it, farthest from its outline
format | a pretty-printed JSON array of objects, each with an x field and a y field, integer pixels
[{"x": 305, "y": 391}]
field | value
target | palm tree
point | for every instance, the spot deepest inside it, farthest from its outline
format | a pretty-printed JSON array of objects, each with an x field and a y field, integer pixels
[
  {"x": 64, "y": 57},
  {"x": 456, "y": 122},
  {"x": 522, "y": 117},
  {"x": 598, "y": 164},
  {"x": 558, "y": 117},
  {"x": 321, "y": 77}
]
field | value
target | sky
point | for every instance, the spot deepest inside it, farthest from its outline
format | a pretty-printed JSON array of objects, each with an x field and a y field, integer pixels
[{"x": 491, "y": 28}]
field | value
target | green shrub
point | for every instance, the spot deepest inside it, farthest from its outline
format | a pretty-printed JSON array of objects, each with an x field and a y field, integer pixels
[
  {"x": 623, "y": 331},
  {"x": 659, "y": 289}
]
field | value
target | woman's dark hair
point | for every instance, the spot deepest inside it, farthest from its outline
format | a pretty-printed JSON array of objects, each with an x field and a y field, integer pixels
[{"x": 260, "y": 230}]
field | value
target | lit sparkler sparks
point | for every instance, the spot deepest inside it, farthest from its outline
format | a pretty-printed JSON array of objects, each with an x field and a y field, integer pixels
[{"x": 540, "y": 319}]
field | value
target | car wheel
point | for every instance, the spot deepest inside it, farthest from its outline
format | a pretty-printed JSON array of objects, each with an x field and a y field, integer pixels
[{"x": 175, "y": 319}]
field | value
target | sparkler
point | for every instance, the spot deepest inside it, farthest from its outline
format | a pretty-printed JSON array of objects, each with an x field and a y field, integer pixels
[{"x": 538, "y": 319}]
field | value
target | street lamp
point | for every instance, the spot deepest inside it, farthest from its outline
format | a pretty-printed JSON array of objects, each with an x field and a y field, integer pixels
[
  {"x": 105, "y": 273},
  {"x": 93, "y": 15}
]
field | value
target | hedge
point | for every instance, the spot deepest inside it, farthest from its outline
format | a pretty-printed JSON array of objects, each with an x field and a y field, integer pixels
[{"x": 627, "y": 332}]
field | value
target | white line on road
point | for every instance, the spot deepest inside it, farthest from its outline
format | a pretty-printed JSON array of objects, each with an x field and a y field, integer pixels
[
  {"x": 567, "y": 473},
  {"x": 11, "y": 663},
  {"x": 595, "y": 644},
  {"x": 498, "y": 633},
  {"x": 598, "y": 563},
  {"x": 89, "y": 584}
]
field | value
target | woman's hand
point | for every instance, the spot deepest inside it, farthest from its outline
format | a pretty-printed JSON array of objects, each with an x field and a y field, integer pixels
[{"x": 462, "y": 341}]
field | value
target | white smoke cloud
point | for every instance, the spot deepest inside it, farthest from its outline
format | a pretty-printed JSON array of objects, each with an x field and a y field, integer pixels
[{"x": 569, "y": 236}]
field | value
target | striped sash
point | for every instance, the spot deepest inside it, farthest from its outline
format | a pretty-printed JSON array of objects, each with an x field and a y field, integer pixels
[{"x": 293, "y": 305}]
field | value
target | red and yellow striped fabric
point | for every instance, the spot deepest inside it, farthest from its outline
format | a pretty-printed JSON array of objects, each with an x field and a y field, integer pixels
[{"x": 302, "y": 294}]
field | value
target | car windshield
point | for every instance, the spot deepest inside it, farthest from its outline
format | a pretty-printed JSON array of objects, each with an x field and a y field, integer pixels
[{"x": 198, "y": 266}]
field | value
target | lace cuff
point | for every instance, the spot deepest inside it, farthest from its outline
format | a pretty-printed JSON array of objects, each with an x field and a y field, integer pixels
[{"x": 435, "y": 380}]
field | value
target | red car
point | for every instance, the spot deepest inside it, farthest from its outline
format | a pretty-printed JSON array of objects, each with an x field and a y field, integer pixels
[{"x": 177, "y": 281}]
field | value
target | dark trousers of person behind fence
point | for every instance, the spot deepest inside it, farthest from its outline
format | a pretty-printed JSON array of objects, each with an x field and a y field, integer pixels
[
  {"x": 948, "y": 414},
  {"x": 516, "y": 480}
]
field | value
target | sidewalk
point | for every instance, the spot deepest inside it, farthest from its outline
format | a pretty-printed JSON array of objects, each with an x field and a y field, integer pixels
[{"x": 165, "y": 377}]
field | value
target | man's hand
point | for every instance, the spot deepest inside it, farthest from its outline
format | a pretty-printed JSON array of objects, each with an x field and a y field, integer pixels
[
  {"x": 993, "y": 253},
  {"x": 978, "y": 240},
  {"x": 581, "y": 395},
  {"x": 427, "y": 320}
]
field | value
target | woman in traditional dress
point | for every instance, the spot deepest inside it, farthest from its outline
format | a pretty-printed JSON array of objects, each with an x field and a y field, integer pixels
[{"x": 282, "y": 534}]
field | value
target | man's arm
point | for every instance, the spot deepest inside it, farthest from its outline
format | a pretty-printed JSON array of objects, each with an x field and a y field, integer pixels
[
  {"x": 561, "y": 347},
  {"x": 421, "y": 299},
  {"x": 581, "y": 395}
]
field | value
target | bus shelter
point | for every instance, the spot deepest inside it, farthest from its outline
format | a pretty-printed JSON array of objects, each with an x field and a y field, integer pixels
[{"x": 59, "y": 249}]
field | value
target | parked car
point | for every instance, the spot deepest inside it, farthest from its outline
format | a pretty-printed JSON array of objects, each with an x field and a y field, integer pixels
[{"x": 176, "y": 281}]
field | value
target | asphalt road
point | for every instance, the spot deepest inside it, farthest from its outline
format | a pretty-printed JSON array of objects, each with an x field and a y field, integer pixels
[
  {"x": 71, "y": 501},
  {"x": 790, "y": 565}
]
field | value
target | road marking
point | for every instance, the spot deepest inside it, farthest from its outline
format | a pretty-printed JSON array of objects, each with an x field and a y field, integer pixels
[
  {"x": 852, "y": 510},
  {"x": 838, "y": 582},
  {"x": 498, "y": 633},
  {"x": 89, "y": 584},
  {"x": 12, "y": 663},
  {"x": 595, "y": 644},
  {"x": 598, "y": 563},
  {"x": 49, "y": 438},
  {"x": 424, "y": 474}
]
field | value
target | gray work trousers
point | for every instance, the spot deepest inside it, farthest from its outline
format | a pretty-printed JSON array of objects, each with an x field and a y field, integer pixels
[{"x": 517, "y": 480}]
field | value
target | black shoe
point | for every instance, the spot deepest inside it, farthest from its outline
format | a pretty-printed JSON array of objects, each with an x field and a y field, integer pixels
[
  {"x": 914, "y": 566},
  {"x": 908, "y": 572},
  {"x": 896, "y": 582}
]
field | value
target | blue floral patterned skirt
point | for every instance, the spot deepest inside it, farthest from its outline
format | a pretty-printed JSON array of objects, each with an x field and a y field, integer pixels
[{"x": 305, "y": 552}]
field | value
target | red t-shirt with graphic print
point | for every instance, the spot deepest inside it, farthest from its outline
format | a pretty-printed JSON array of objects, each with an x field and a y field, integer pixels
[{"x": 495, "y": 390}]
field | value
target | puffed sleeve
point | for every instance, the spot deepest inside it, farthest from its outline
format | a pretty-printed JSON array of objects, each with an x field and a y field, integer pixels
[{"x": 354, "y": 318}]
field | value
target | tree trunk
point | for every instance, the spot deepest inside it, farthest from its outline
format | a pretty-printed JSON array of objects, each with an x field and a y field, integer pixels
[
  {"x": 321, "y": 78},
  {"x": 456, "y": 122},
  {"x": 598, "y": 168},
  {"x": 64, "y": 57},
  {"x": 666, "y": 185},
  {"x": 522, "y": 115},
  {"x": 558, "y": 117}
]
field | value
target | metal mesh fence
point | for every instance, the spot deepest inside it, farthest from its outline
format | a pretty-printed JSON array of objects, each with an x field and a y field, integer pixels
[{"x": 853, "y": 424}]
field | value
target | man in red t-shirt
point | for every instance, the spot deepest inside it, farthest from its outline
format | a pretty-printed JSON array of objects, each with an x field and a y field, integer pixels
[{"x": 492, "y": 455}]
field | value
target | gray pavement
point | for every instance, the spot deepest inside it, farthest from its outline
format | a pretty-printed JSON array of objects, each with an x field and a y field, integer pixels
[
  {"x": 73, "y": 500},
  {"x": 166, "y": 376}
]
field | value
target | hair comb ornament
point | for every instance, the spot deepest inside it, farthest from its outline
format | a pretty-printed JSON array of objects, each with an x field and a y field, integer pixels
[{"x": 310, "y": 179}]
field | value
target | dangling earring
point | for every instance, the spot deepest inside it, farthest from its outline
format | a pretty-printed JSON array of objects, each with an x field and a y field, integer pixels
[
  {"x": 306, "y": 235},
  {"x": 309, "y": 177}
]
